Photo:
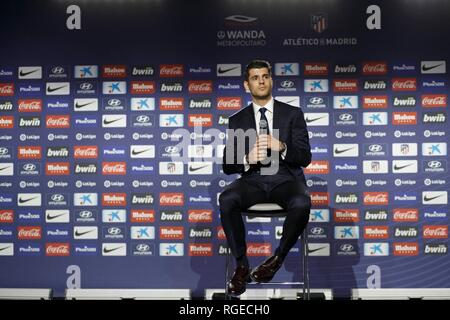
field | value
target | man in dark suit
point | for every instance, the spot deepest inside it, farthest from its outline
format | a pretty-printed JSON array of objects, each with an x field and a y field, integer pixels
[{"x": 268, "y": 145}]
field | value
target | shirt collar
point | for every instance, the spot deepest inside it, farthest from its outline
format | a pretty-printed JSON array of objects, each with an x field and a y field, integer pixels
[{"x": 268, "y": 106}]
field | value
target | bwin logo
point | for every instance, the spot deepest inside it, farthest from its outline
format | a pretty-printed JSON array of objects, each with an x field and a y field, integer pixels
[
  {"x": 345, "y": 117},
  {"x": 375, "y": 148},
  {"x": 85, "y": 214},
  {"x": 143, "y": 119},
  {"x": 114, "y": 102},
  {"x": 57, "y": 197},
  {"x": 86, "y": 86},
  {"x": 317, "y": 231},
  {"x": 287, "y": 84},
  {"x": 114, "y": 231},
  {"x": 346, "y": 247},
  {"x": 58, "y": 70},
  {"x": 29, "y": 167},
  {"x": 3, "y": 151},
  {"x": 143, "y": 247},
  {"x": 434, "y": 164},
  {"x": 316, "y": 100}
]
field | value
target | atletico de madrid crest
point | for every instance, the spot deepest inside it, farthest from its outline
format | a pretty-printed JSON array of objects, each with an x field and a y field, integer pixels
[{"x": 319, "y": 21}]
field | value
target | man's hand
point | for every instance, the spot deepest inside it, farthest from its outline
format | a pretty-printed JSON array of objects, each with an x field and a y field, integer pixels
[{"x": 259, "y": 151}]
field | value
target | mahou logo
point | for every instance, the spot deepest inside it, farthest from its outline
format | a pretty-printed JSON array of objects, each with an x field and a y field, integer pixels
[
  {"x": 200, "y": 215},
  {"x": 142, "y": 216},
  {"x": 404, "y": 118},
  {"x": 345, "y": 85},
  {"x": 320, "y": 198},
  {"x": 57, "y": 121},
  {"x": 171, "y": 70},
  {"x": 374, "y": 68},
  {"x": 6, "y": 216},
  {"x": 29, "y": 105},
  {"x": 57, "y": 249},
  {"x": 376, "y": 232},
  {"x": 200, "y": 120},
  {"x": 315, "y": 69},
  {"x": 404, "y": 84},
  {"x": 85, "y": 152},
  {"x": 376, "y": 198},
  {"x": 346, "y": 215},
  {"x": 57, "y": 168},
  {"x": 200, "y": 250},
  {"x": 142, "y": 87},
  {"x": 114, "y": 168},
  {"x": 29, "y": 233},
  {"x": 434, "y": 100},
  {"x": 435, "y": 232},
  {"x": 114, "y": 71},
  {"x": 200, "y": 86},
  {"x": 405, "y": 215},
  {"x": 259, "y": 249},
  {"x": 6, "y": 122},
  {"x": 171, "y": 233},
  {"x": 171, "y": 199},
  {"x": 380, "y": 102},
  {"x": 318, "y": 167},
  {"x": 406, "y": 248},
  {"x": 114, "y": 199},
  {"x": 229, "y": 103},
  {"x": 29, "y": 152},
  {"x": 168, "y": 104}
]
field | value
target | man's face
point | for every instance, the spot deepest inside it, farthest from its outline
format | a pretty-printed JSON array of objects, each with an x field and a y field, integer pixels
[{"x": 259, "y": 83}]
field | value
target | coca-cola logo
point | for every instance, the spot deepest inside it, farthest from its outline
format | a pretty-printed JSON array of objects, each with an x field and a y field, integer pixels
[{"x": 57, "y": 249}]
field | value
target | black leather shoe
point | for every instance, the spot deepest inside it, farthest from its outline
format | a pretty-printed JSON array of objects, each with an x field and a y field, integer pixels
[
  {"x": 238, "y": 283},
  {"x": 265, "y": 271}
]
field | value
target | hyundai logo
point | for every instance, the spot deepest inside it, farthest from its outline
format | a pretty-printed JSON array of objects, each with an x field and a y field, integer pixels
[
  {"x": 287, "y": 84},
  {"x": 143, "y": 247},
  {"x": 114, "y": 231},
  {"x": 345, "y": 117},
  {"x": 346, "y": 247},
  {"x": 57, "y": 197},
  {"x": 85, "y": 214},
  {"x": 114, "y": 102},
  {"x": 375, "y": 148},
  {"x": 86, "y": 86},
  {"x": 58, "y": 70},
  {"x": 434, "y": 164},
  {"x": 143, "y": 119},
  {"x": 317, "y": 230},
  {"x": 3, "y": 151},
  {"x": 316, "y": 100},
  {"x": 29, "y": 167},
  {"x": 171, "y": 149}
]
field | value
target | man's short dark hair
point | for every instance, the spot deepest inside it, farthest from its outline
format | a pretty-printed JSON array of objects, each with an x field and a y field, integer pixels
[{"x": 257, "y": 64}]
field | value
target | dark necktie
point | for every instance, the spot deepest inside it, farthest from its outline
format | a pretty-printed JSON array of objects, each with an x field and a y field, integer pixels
[{"x": 263, "y": 123}]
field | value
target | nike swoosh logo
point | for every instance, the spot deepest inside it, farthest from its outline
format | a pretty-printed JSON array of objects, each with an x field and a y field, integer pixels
[
  {"x": 26, "y": 200},
  {"x": 49, "y": 89},
  {"x": 308, "y": 120},
  {"x": 198, "y": 168},
  {"x": 314, "y": 250},
  {"x": 427, "y": 68},
  {"x": 426, "y": 198},
  {"x": 337, "y": 151},
  {"x": 4, "y": 168},
  {"x": 50, "y": 217},
  {"x": 77, "y": 105},
  {"x": 225, "y": 70},
  {"x": 4, "y": 248},
  {"x": 110, "y": 121},
  {"x": 105, "y": 250},
  {"x": 23, "y": 74},
  {"x": 134, "y": 152},
  {"x": 401, "y": 167},
  {"x": 78, "y": 234}
]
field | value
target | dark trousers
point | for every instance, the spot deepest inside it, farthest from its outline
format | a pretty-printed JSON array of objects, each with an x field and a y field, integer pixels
[{"x": 288, "y": 193}]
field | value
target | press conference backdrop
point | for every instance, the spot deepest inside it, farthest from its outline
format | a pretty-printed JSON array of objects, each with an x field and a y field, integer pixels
[{"x": 112, "y": 119}]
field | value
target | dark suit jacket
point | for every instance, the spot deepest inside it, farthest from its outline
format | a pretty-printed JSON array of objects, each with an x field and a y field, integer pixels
[{"x": 292, "y": 131}]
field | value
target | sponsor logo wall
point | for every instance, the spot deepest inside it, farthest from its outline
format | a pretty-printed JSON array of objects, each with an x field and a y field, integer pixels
[{"x": 123, "y": 160}]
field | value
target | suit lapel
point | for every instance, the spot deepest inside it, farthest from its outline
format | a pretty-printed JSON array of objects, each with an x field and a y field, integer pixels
[{"x": 278, "y": 121}]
